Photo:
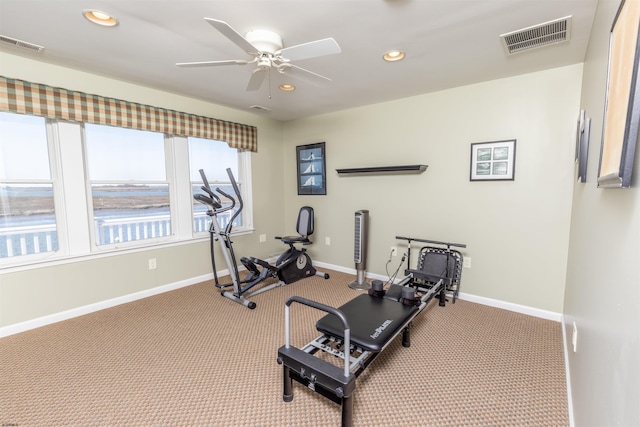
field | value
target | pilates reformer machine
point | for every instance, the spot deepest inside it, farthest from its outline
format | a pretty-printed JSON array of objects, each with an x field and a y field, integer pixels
[{"x": 358, "y": 331}]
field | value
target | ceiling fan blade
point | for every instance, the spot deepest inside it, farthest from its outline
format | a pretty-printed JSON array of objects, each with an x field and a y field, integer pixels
[
  {"x": 310, "y": 50},
  {"x": 257, "y": 78},
  {"x": 307, "y": 71},
  {"x": 233, "y": 35},
  {"x": 212, "y": 63}
]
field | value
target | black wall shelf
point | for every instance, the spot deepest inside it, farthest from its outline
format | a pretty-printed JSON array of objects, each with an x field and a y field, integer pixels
[{"x": 377, "y": 170}]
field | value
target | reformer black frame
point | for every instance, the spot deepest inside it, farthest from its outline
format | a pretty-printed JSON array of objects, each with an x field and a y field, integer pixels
[
  {"x": 355, "y": 347},
  {"x": 453, "y": 265}
]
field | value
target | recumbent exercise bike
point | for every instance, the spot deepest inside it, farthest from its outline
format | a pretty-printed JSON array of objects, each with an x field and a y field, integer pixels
[{"x": 294, "y": 264}]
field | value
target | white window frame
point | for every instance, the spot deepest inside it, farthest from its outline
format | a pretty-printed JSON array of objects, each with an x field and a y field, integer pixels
[
  {"x": 54, "y": 180},
  {"x": 169, "y": 181},
  {"x": 74, "y": 210},
  {"x": 246, "y": 192}
]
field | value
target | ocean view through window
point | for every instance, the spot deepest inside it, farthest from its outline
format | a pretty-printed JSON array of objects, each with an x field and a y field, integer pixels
[
  {"x": 69, "y": 189},
  {"x": 27, "y": 214},
  {"x": 130, "y": 197},
  {"x": 214, "y": 157}
]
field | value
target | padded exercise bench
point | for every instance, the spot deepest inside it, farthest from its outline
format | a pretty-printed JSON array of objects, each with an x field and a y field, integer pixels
[{"x": 358, "y": 331}]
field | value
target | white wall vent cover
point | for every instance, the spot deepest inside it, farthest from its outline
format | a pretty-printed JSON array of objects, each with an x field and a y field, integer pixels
[
  {"x": 548, "y": 33},
  {"x": 20, "y": 43}
]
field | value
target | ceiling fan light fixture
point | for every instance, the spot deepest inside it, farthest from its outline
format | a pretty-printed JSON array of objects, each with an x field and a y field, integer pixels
[
  {"x": 99, "y": 17},
  {"x": 287, "y": 87},
  {"x": 393, "y": 55}
]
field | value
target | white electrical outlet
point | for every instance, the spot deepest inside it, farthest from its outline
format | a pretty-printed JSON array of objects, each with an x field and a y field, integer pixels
[
  {"x": 152, "y": 264},
  {"x": 574, "y": 337},
  {"x": 466, "y": 262},
  {"x": 263, "y": 238},
  {"x": 394, "y": 251},
  {"x": 327, "y": 241}
]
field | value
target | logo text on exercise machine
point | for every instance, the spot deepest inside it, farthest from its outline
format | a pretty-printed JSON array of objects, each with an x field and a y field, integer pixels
[{"x": 381, "y": 328}]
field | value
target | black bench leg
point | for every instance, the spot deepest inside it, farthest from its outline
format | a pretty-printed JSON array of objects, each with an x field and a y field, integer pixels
[
  {"x": 406, "y": 336},
  {"x": 287, "y": 395},
  {"x": 443, "y": 298},
  {"x": 347, "y": 411}
]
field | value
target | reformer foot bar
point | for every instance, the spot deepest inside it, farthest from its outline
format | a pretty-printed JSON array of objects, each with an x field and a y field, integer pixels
[{"x": 356, "y": 332}]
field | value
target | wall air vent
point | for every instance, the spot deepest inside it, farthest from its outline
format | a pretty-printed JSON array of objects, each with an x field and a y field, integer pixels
[
  {"x": 548, "y": 33},
  {"x": 20, "y": 43}
]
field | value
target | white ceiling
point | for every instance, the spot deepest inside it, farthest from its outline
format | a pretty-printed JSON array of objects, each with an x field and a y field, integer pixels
[{"x": 448, "y": 43}]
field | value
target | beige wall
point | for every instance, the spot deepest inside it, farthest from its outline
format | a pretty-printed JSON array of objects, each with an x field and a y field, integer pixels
[
  {"x": 516, "y": 232},
  {"x": 602, "y": 293},
  {"x": 27, "y": 294}
]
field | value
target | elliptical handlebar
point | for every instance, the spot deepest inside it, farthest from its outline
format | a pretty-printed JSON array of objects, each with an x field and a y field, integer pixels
[
  {"x": 206, "y": 200},
  {"x": 214, "y": 201},
  {"x": 213, "y": 195},
  {"x": 231, "y": 206},
  {"x": 236, "y": 189}
]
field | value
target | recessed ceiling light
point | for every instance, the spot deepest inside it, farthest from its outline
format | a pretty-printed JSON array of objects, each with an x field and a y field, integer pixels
[
  {"x": 99, "y": 17},
  {"x": 393, "y": 55},
  {"x": 287, "y": 87}
]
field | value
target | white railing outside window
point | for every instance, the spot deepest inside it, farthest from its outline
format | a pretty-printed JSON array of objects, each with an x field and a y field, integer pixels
[
  {"x": 28, "y": 240},
  {"x": 94, "y": 207}
]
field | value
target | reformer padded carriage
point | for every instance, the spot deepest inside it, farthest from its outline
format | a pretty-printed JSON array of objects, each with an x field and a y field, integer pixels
[{"x": 358, "y": 331}]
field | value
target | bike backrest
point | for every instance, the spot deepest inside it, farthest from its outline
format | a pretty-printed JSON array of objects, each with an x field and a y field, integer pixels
[{"x": 304, "y": 227}]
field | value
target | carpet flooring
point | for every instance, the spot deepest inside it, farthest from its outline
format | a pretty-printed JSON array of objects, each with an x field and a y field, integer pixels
[{"x": 192, "y": 358}]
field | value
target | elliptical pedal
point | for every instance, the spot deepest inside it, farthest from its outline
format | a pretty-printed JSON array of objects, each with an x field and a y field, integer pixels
[{"x": 251, "y": 268}]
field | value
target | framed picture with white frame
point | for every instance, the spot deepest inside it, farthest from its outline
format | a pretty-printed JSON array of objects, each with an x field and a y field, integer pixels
[{"x": 493, "y": 161}]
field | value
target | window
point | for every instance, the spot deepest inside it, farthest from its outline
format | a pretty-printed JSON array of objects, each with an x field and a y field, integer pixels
[
  {"x": 28, "y": 223},
  {"x": 73, "y": 189},
  {"x": 128, "y": 185},
  {"x": 214, "y": 157}
]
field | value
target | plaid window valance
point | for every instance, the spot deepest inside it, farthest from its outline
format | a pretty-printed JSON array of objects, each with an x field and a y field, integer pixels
[{"x": 18, "y": 96}]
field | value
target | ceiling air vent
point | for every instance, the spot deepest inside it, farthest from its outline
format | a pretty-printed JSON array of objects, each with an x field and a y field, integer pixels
[
  {"x": 260, "y": 107},
  {"x": 20, "y": 43},
  {"x": 548, "y": 33}
]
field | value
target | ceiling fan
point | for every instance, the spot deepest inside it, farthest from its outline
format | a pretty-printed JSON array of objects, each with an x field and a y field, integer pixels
[{"x": 268, "y": 53}]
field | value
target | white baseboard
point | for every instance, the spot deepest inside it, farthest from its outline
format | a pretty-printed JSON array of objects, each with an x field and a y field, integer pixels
[
  {"x": 90, "y": 308},
  {"x": 524, "y": 309},
  {"x": 567, "y": 370},
  {"x": 531, "y": 311}
]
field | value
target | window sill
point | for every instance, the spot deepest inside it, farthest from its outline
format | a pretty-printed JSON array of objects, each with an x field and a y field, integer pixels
[{"x": 54, "y": 260}]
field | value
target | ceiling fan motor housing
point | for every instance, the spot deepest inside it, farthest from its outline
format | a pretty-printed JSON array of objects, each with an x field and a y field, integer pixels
[{"x": 265, "y": 40}]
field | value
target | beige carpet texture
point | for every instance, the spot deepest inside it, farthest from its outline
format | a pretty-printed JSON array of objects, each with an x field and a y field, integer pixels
[{"x": 190, "y": 357}]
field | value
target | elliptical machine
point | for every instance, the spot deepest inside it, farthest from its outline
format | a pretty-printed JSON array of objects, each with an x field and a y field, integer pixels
[{"x": 294, "y": 264}]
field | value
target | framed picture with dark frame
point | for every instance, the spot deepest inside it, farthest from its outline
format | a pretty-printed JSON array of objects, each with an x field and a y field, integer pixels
[
  {"x": 312, "y": 170},
  {"x": 622, "y": 105},
  {"x": 582, "y": 145},
  {"x": 493, "y": 161}
]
